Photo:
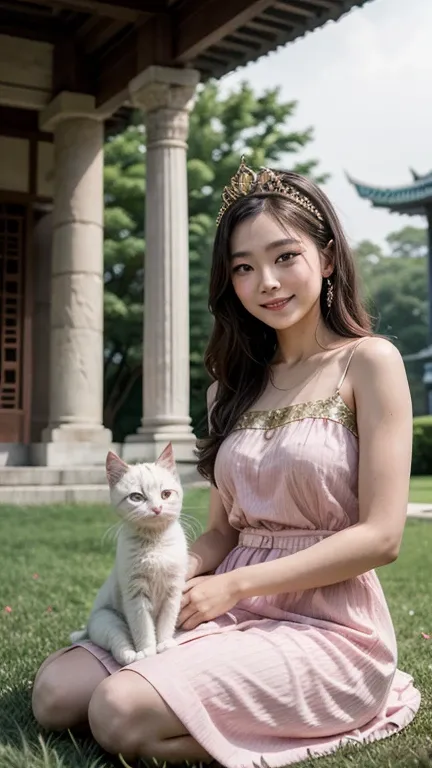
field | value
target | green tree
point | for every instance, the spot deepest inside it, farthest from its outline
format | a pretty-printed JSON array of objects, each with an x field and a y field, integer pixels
[
  {"x": 395, "y": 288},
  {"x": 123, "y": 268},
  {"x": 408, "y": 242},
  {"x": 222, "y": 127}
]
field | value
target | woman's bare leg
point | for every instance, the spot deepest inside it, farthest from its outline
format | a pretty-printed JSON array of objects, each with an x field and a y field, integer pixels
[
  {"x": 63, "y": 688},
  {"x": 128, "y": 717}
]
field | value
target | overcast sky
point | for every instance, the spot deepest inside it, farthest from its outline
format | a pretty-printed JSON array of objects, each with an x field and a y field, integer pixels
[{"x": 365, "y": 84}]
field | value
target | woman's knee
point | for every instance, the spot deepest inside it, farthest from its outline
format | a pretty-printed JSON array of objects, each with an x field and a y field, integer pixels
[
  {"x": 127, "y": 716},
  {"x": 63, "y": 688},
  {"x": 51, "y": 699},
  {"x": 110, "y": 716}
]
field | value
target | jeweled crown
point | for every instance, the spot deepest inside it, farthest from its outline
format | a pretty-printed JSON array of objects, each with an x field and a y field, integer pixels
[{"x": 246, "y": 182}]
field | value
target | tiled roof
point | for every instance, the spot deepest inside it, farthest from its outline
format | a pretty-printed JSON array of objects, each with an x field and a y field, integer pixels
[{"x": 411, "y": 198}]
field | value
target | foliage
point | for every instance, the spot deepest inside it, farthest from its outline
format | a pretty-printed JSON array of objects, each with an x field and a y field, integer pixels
[
  {"x": 409, "y": 241},
  {"x": 123, "y": 274},
  {"x": 221, "y": 127},
  {"x": 395, "y": 288},
  {"x": 422, "y": 446}
]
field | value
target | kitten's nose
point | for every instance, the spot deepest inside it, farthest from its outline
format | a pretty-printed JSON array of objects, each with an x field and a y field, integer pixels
[{"x": 157, "y": 510}]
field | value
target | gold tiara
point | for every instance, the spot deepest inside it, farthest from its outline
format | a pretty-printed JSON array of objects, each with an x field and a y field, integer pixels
[{"x": 246, "y": 182}]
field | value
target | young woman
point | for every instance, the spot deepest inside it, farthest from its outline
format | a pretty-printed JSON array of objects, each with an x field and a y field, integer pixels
[{"x": 285, "y": 645}]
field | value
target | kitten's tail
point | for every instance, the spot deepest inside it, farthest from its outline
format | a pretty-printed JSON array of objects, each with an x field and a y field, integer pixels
[{"x": 79, "y": 635}]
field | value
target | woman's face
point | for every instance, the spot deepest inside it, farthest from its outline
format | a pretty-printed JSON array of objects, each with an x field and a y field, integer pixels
[{"x": 276, "y": 276}]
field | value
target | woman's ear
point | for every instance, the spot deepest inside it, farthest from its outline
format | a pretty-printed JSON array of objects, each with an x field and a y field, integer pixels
[{"x": 327, "y": 259}]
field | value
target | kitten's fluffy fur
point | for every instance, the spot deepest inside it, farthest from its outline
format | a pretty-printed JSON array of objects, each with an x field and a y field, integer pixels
[{"x": 135, "y": 611}]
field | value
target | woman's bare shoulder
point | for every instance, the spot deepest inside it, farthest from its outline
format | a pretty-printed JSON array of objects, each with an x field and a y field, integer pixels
[
  {"x": 211, "y": 394},
  {"x": 378, "y": 371}
]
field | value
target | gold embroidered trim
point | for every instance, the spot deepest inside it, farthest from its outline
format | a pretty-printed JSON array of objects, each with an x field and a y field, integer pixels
[{"x": 332, "y": 408}]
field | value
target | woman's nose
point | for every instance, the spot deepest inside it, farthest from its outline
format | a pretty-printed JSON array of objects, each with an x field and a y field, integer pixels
[{"x": 269, "y": 281}]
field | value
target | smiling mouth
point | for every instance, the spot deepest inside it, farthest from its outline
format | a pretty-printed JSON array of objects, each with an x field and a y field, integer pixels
[{"x": 277, "y": 303}]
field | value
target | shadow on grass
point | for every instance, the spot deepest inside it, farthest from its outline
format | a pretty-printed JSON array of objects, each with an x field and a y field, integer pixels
[
  {"x": 24, "y": 744},
  {"x": 16, "y": 715}
]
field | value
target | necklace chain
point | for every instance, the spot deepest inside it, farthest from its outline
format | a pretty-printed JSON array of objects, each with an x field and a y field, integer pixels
[{"x": 289, "y": 389}]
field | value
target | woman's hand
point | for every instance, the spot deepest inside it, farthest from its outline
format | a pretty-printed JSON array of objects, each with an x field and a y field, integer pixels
[{"x": 206, "y": 597}]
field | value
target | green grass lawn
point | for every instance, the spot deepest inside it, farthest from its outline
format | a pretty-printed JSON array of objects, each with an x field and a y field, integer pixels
[
  {"x": 421, "y": 490},
  {"x": 53, "y": 559}
]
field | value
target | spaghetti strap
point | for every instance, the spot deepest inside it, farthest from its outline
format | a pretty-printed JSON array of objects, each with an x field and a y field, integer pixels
[{"x": 351, "y": 355}]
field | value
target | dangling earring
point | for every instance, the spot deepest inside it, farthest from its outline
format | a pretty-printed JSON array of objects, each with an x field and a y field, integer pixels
[{"x": 330, "y": 293}]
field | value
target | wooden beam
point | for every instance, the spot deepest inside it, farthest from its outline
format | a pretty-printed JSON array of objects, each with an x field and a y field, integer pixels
[
  {"x": 44, "y": 28},
  {"x": 127, "y": 10},
  {"x": 87, "y": 27},
  {"x": 283, "y": 21},
  {"x": 103, "y": 31},
  {"x": 255, "y": 38},
  {"x": 202, "y": 23},
  {"x": 307, "y": 8},
  {"x": 150, "y": 43},
  {"x": 156, "y": 42},
  {"x": 10, "y": 5},
  {"x": 329, "y": 5},
  {"x": 71, "y": 70},
  {"x": 233, "y": 45},
  {"x": 116, "y": 69},
  {"x": 265, "y": 25},
  {"x": 22, "y": 123},
  {"x": 297, "y": 10},
  {"x": 29, "y": 32}
]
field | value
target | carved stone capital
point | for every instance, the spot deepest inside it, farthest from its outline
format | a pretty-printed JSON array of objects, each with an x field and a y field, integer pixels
[
  {"x": 156, "y": 96},
  {"x": 164, "y": 88},
  {"x": 167, "y": 127}
]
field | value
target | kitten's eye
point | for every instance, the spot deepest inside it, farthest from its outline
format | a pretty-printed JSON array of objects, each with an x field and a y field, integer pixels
[
  {"x": 166, "y": 494},
  {"x": 136, "y": 497}
]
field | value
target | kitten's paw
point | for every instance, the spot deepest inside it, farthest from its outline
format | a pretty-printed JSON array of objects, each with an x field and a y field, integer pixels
[
  {"x": 150, "y": 650},
  {"x": 165, "y": 645},
  {"x": 125, "y": 656}
]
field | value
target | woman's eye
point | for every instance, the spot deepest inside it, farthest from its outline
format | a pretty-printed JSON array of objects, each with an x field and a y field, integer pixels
[
  {"x": 286, "y": 257},
  {"x": 241, "y": 269},
  {"x": 136, "y": 497},
  {"x": 166, "y": 494}
]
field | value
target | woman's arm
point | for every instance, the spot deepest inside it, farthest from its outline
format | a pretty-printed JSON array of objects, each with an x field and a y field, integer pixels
[
  {"x": 384, "y": 419},
  {"x": 211, "y": 548}
]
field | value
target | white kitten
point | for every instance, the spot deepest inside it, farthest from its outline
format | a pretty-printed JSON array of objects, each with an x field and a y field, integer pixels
[{"x": 135, "y": 611}]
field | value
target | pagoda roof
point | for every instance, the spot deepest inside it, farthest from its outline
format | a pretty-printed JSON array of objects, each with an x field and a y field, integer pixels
[{"x": 412, "y": 199}]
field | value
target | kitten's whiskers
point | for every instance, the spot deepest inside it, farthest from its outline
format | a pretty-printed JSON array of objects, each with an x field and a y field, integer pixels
[
  {"x": 192, "y": 527},
  {"x": 112, "y": 532}
]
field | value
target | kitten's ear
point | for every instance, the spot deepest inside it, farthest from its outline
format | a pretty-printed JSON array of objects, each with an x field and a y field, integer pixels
[
  {"x": 115, "y": 468},
  {"x": 167, "y": 460}
]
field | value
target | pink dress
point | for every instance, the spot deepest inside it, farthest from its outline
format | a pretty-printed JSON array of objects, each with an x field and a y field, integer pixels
[{"x": 299, "y": 674}]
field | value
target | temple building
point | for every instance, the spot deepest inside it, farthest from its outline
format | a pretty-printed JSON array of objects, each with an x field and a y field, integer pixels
[
  {"x": 413, "y": 199},
  {"x": 69, "y": 68}
]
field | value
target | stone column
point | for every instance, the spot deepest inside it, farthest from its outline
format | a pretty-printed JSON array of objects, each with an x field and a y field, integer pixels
[
  {"x": 165, "y": 96},
  {"x": 75, "y": 434}
]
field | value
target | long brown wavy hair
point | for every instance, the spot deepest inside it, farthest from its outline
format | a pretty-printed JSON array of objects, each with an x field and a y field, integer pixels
[{"x": 241, "y": 347}]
